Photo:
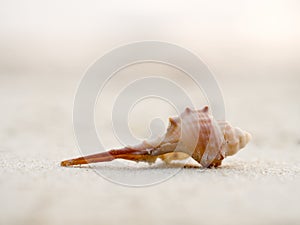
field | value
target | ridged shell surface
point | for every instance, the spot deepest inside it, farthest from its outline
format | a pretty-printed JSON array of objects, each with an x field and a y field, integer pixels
[{"x": 196, "y": 133}]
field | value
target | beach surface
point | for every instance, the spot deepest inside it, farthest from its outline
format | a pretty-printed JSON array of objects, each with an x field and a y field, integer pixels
[{"x": 261, "y": 184}]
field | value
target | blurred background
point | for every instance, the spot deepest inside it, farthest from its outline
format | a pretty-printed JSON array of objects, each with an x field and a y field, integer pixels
[{"x": 253, "y": 49}]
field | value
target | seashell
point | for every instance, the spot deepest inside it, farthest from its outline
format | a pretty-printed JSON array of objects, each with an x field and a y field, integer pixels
[{"x": 195, "y": 133}]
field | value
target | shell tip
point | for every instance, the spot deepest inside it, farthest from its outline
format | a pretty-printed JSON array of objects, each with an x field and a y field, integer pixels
[
  {"x": 248, "y": 137},
  {"x": 172, "y": 121},
  {"x": 205, "y": 109}
]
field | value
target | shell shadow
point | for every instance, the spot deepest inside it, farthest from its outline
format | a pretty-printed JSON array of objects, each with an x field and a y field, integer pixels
[{"x": 158, "y": 166}]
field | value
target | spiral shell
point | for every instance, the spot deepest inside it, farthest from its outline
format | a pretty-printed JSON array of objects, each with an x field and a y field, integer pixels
[{"x": 195, "y": 133}]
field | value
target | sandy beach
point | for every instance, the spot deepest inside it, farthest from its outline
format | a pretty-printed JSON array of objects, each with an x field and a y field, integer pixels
[
  {"x": 253, "y": 52},
  {"x": 259, "y": 185}
]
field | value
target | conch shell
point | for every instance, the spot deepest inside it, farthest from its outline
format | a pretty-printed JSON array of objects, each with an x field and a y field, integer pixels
[{"x": 195, "y": 133}]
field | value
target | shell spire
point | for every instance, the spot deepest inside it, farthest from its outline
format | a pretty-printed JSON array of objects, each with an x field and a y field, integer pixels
[{"x": 194, "y": 133}]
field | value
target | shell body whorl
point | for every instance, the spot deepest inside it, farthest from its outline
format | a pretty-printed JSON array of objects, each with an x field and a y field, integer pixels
[{"x": 197, "y": 134}]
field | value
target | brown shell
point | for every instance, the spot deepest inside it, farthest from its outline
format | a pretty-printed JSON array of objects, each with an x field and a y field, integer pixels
[
  {"x": 197, "y": 134},
  {"x": 194, "y": 133}
]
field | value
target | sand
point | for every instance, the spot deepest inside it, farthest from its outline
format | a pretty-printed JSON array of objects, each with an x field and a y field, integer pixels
[
  {"x": 253, "y": 49},
  {"x": 259, "y": 185}
]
